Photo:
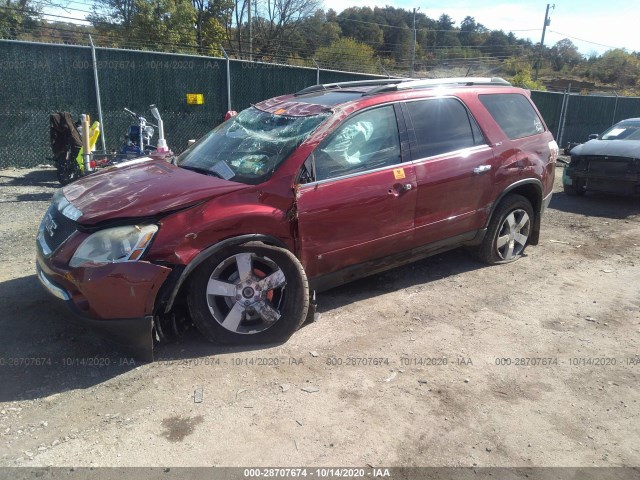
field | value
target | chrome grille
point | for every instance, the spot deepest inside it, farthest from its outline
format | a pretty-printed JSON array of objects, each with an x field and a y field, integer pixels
[{"x": 55, "y": 229}]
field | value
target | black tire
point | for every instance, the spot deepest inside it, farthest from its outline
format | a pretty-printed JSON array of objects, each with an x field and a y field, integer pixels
[
  {"x": 67, "y": 171},
  {"x": 573, "y": 191},
  {"x": 251, "y": 323},
  {"x": 489, "y": 251}
]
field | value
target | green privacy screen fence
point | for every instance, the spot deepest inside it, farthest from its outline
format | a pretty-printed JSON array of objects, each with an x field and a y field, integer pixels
[
  {"x": 573, "y": 117},
  {"x": 37, "y": 79}
]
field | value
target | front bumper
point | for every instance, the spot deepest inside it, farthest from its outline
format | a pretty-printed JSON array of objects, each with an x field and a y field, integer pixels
[
  {"x": 116, "y": 299},
  {"x": 619, "y": 179}
]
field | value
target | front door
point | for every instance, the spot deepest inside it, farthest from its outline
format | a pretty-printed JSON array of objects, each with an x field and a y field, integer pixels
[{"x": 359, "y": 202}]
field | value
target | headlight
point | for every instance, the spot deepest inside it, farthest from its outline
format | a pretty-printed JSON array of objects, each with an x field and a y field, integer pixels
[{"x": 113, "y": 245}]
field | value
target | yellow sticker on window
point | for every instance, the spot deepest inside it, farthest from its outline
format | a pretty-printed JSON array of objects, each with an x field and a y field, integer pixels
[{"x": 398, "y": 173}]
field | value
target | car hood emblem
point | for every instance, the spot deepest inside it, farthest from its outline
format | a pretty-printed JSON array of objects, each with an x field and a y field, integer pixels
[{"x": 50, "y": 225}]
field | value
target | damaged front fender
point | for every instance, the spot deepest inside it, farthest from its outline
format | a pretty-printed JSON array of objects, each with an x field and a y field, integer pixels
[{"x": 115, "y": 299}]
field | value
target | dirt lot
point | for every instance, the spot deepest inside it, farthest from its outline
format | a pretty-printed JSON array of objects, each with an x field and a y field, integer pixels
[{"x": 321, "y": 399}]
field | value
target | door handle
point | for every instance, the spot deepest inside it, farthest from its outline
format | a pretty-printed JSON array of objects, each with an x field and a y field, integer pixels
[
  {"x": 399, "y": 188},
  {"x": 481, "y": 169}
]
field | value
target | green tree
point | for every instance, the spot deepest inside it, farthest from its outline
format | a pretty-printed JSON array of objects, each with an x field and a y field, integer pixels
[
  {"x": 564, "y": 53},
  {"x": 211, "y": 16},
  {"x": 446, "y": 34},
  {"x": 18, "y": 17},
  {"x": 471, "y": 33},
  {"x": 360, "y": 24},
  {"x": 278, "y": 21},
  {"x": 398, "y": 40},
  {"x": 58, "y": 32},
  {"x": 315, "y": 31},
  {"x": 348, "y": 54},
  {"x": 497, "y": 44},
  {"x": 617, "y": 66},
  {"x": 523, "y": 79},
  {"x": 164, "y": 24},
  {"x": 148, "y": 24}
]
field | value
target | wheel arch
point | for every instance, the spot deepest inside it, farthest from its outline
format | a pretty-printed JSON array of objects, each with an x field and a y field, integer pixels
[
  {"x": 166, "y": 301},
  {"x": 531, "y": 189}
]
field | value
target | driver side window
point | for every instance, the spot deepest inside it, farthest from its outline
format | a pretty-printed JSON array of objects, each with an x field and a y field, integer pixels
[{"x": 366, "y": 141}]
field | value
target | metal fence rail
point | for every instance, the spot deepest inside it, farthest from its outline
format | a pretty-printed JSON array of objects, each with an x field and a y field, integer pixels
[{"x": 37, "y": 79}]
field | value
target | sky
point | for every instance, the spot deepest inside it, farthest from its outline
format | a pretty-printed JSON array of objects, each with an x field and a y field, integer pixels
[{"x": 593, "y": 26}]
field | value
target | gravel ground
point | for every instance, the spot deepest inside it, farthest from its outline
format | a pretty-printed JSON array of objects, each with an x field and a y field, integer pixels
[{"x": 321, "y": 398}]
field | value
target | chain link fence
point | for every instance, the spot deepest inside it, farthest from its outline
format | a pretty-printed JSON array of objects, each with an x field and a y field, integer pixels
[{"x": 38, "y": 79}]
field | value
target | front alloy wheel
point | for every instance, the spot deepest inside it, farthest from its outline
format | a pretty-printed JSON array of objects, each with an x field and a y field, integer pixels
[{"x": 249, "y": 295}]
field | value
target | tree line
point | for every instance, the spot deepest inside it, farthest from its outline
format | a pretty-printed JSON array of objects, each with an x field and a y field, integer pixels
[{"x": 299, "y": 32}]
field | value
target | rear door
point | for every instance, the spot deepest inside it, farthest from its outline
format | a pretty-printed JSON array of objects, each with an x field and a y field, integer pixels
[
  {"x": 455, "y": 169},
  {"x": 359, "y": 200}
]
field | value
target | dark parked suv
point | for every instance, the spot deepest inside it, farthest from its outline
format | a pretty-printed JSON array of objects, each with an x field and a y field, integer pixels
[{"x": 294, "y": 195}]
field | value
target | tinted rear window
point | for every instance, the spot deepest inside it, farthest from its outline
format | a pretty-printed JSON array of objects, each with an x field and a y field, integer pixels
[{"x": 514, "y": 113}]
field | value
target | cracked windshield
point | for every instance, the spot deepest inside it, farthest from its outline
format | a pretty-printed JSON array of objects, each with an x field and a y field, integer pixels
[{"x": 250, "y": 146}]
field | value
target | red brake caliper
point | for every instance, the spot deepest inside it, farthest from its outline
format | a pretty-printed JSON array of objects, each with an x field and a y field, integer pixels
[{"x": 260, "y": 274}]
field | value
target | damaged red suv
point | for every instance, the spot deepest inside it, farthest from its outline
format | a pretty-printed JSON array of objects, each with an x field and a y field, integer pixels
[{"x": 295, "y": 195}]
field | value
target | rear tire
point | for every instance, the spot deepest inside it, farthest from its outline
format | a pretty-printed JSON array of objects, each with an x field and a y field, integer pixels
[
  {"x": 508, "y": 232},
  {"x": 249, "y": 294}
]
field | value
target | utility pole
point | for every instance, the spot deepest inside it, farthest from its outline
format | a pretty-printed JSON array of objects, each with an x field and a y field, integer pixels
[
  {"x": 547, "y": 22},
  {"x": 251, "y": 34},
  {"x": 413, "y": 50}
]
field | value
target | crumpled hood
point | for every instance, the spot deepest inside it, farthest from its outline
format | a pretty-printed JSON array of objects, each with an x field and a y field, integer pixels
[
  {"x": 610, "y": 148},
  {"x": 142, "y": 188}
]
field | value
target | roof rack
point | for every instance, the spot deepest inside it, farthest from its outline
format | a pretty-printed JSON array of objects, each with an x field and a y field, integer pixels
[
  {"x": 358, "y": 83},
  {"x": 439, "y": 82},
  {"x": 394, "y": 84}
]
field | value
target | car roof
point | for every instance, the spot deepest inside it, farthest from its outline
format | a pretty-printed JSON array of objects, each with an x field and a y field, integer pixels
[{"x": 321, "y": 98}]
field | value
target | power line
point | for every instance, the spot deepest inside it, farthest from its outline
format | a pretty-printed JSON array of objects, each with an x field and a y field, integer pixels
[
  {"x": 429, "y": 29},
  {"x": 583, "y": 40}
]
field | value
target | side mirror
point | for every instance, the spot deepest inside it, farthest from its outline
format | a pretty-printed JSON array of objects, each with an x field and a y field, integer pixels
[{"x": 593, "y": 136}]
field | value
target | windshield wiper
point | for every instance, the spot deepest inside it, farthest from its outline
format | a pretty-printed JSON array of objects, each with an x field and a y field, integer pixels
[{"x": 201, "y": 170}]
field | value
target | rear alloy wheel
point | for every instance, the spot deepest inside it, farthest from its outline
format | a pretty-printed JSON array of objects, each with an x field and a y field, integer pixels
[
  {"x": 508, "y": 232},
  {"x": 249, "y": 294}
]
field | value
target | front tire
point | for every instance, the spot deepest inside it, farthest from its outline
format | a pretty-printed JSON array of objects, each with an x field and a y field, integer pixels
[
  {"x": 508, "y": 232},
  {"x": 249, "y": 294}
]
